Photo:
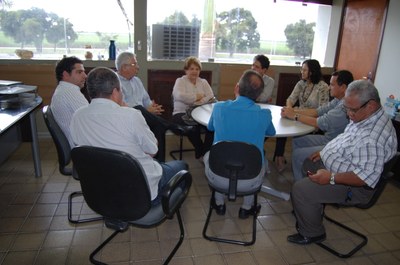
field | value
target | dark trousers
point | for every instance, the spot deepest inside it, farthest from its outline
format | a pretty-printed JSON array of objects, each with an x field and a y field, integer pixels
[
  {"x": 308, "y": 199},
  {"x": 158, "y": 126},
  {"x": 280, "y": 146},
  {"x": 194, "y": 136}
]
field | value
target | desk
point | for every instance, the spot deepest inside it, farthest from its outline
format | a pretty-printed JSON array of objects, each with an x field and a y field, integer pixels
[
  {"x": 12, "y": 117},
  {"x": 283, "y": 127}
]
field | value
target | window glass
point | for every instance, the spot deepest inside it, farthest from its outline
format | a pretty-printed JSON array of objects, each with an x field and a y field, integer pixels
[
  {"x": 49, "y": 29},
  {"x": 235, "y": 30}
]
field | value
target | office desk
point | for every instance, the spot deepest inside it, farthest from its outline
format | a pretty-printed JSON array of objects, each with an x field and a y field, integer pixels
[
  {"x": 284, "y": 128},
  {"x": 12, "y": 117}
]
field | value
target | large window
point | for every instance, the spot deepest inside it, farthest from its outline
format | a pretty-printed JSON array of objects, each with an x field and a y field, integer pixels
[
  {"x": 53, "y": 28},
  {"x": 235, "y": 30}
]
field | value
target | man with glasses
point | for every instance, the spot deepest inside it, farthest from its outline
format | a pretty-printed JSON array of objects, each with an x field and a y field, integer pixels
[
  {"x": 348, "y": 167},
  {"x": 136, "y": 96},
  {"x": 330, "y": 118}
]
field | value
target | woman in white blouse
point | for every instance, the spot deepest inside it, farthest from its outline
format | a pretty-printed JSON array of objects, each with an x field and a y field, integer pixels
[{"x": 191, "y": 90}]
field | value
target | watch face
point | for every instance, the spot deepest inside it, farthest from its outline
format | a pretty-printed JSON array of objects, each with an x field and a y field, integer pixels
[{"x": 332, "y": 180}]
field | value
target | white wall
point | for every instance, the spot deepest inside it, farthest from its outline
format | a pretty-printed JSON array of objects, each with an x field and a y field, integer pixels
[{"x": 387, "y": 75}]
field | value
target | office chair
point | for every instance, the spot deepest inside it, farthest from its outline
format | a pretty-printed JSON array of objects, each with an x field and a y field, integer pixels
[
  {"x": 181, "y": 131},
  {"x": 380, "y": 186},
  {"x": 121, "y": 194},
  {"x": 64, "y": 159},
  {"x": 235, "y": 161}
]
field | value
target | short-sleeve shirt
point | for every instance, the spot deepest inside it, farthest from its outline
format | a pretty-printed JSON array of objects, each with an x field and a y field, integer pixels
[
  {"x": 363, "y": 148},
  {"x": 103, "y": 123},
  {"x": 241, "y": 120}
]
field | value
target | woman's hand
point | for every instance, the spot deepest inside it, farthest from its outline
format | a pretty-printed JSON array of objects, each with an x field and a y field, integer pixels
[
  {"x": 200, "y": 96},
  {"x": 288, "y": 112}
]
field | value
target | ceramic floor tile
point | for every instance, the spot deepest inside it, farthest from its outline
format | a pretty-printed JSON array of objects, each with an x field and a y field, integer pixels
[
  {"x": 19, "y": 258},
  {"x": 240, "y": 258},
  {"x": 29, "y": 241},
  {"x": 34, "y": 227}
]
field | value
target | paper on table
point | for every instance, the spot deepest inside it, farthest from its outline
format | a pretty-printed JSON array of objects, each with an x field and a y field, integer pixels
[
  {"x": 9, "y": 82},
  {"x": 17, "y": 89}
]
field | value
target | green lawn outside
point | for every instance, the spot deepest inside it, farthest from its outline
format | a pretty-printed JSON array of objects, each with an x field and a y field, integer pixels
[{"x": 274, "y": 50}]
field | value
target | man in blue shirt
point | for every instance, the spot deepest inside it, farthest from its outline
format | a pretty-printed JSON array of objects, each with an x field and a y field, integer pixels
[{"x": 241, "y": 120}]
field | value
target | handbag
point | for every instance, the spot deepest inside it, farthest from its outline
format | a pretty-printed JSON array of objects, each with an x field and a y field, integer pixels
[{"x": 188, "y": 119}]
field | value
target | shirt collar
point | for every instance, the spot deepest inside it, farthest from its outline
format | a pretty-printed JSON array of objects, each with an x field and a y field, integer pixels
[
  {"x": 244, "y": 99},
  {"x": 69, "y": 85},
  {"x": 104, "y": 101}
]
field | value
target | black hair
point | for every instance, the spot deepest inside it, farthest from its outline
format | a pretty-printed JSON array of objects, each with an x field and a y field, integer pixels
[
  {"x": 264, "y": 61},
  {"x": 343, "y": 77},
  {"x": 66, "y": 64}
]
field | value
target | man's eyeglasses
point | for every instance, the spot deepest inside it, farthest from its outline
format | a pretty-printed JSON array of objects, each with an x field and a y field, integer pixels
[
  {"x": 354, "y": 111},
  {"x": 133, "y": 64}
]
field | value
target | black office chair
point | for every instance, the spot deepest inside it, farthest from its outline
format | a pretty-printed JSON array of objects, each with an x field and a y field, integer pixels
[
  {"x": 64, "y": 159},
  {"x": 114, "y": 185},
  {"x": 181, "y": 131},
  {"x": 235, "y": 161},
  {"x": 380, "y": 186}
]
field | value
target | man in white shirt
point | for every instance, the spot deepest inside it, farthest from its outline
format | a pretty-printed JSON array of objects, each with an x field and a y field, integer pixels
[
  {"x": 106, "y": 122},
  {"x": 67, "y": 97},
  {"x": 261, "y": 65},
  {"x": 136, "y": 96}
]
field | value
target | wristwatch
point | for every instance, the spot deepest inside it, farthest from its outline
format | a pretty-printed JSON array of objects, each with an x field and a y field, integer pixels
[
  {"x": 296, "y": 117},
  {"x": 332, "y": 179}
]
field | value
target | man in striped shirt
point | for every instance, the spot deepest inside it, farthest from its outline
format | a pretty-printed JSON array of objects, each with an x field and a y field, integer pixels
[{"x": 67, "y": 97}]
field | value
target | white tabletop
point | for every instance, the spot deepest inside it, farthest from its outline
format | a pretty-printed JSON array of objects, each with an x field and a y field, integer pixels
[{"x": 284, "y": 127}]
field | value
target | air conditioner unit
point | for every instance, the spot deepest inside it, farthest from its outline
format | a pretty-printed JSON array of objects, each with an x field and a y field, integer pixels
[{"x": 174, "y": 42}]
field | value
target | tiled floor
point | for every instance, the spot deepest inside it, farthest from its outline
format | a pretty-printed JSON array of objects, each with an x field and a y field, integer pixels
[{"x": 34, "y": 228}]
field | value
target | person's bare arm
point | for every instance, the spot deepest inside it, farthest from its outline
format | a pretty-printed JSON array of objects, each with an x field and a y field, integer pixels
[{"x": 323, "y": 176}]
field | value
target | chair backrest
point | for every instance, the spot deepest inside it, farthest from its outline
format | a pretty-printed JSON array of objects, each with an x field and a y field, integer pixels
[
  {"x": 235, "y": 160},
  {"x": 113, "y": 182},
  {"x": 380, "y": 186},
  {"x": 60, "y": 140}
]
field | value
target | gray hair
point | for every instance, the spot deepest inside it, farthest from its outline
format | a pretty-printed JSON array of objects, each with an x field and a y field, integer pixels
[
  {"x": 364, "y": 90},
  {"x": 123, "y": 58},
  {"x": 248, "y": 87},
  {"x": 101, "y": 81}
]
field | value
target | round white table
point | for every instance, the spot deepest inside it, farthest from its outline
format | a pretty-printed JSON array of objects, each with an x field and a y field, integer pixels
[{"x": 283, "y": 127}]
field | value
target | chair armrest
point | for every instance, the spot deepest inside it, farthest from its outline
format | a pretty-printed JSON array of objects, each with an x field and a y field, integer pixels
[
  {"x": 182, "y": 129},
  {"x": 175, "y": 192}
]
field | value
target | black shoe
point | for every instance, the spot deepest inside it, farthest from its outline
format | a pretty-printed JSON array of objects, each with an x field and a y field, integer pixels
[
  {"x": 219, "y": 209},
  {"x": 305, "y": 240},
  {"x": 244, "y": 214}
]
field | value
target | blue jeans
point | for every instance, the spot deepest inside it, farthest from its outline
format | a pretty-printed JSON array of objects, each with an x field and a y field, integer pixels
[{"x": 169, "y": 170}]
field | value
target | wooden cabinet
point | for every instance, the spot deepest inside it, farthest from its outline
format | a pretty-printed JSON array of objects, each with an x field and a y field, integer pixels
[
  {"x": 361, "y": 36},
  {"x": 160, "y": 84}
]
